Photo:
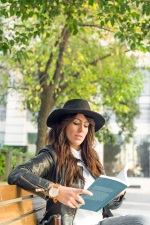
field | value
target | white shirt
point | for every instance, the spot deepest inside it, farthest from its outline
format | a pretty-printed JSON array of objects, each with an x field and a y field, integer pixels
[{"x": 85, "y": 216}]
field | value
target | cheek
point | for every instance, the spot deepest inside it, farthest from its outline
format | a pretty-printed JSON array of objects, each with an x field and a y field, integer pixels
[
  {"x": 85, "y": 132},
  {"x": 69, "y": 131}
]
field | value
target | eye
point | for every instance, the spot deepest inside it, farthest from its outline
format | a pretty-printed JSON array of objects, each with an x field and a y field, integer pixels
[{"x": 76, "y": 123}]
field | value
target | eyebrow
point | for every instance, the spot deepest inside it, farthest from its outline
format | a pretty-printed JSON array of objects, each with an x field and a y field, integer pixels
[{"x": 81, "y": 120}]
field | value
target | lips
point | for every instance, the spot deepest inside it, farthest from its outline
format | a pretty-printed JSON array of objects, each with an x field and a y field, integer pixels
[{"x": 79, "y": 137}]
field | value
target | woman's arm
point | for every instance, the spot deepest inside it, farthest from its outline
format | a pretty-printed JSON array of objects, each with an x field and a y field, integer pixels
[
  {"x": 33, "y": 174},
  {"x": 116, "y": 203}
]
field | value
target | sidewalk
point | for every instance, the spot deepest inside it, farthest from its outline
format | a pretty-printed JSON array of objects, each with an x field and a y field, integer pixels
[{"x": 137, "y": 200}]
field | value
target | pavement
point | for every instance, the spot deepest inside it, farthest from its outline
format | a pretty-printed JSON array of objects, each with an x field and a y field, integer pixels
[{"x": 137, "y": 198}]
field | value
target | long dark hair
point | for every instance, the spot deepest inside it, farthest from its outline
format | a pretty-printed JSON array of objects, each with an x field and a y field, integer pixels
[{"x": 57, "y": 139}]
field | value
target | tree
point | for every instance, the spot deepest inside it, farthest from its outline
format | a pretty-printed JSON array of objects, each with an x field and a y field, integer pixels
[
  {"x": 64, "y": 55},
  {"x": 61, "y": 66},
  {"x": 127, "y": 20}
]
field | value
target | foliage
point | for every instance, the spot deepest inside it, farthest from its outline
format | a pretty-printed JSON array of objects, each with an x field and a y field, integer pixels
[
  {"x": 2, "y": 163},
  {"x": 70, "y": 56},
  {"x": 120, "y": 89},
  {"x": 4, "y": 85},
  {"x": 104, "y": 74},
  {"x": 11, "y": 149},
  {"x": 22, "y": 21},
  {"x": 14, "y": 162}
]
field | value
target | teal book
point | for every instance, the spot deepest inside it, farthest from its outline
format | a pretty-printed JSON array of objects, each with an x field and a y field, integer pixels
[{"x": 105, "y": 189}]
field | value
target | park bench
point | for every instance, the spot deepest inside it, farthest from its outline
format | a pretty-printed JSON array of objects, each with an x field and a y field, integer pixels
[{"x": 20, "y": 207}]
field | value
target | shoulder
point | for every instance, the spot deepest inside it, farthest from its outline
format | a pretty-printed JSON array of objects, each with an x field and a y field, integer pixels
[{"x": 49, "y": 151}]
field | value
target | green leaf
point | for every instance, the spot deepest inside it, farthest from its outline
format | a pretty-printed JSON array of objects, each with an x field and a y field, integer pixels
[
  {"x": 121, "y": 29},
  {"x": 12, "y": 10},
  {"x": 1, "y": 32},
  {"x": 4, "y": 48},
  {"x": 91, "y": 2},
  {"x": 132, "y": 46},
  {"x": 12, "y": 43},
  {"x": 137, "y": 3},
  {"x": 75, "y": 31},
  {"x": 112, "y": 21},
  {"x": 102, "y": 23}
]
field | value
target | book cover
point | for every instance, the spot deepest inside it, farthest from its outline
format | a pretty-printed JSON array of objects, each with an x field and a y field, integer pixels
[{"x": 105, "y": 189}]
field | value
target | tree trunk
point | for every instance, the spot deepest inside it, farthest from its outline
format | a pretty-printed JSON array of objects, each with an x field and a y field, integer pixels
[
  {"x": 47, "y": 99},
  {"x": 47, "y": 104}
]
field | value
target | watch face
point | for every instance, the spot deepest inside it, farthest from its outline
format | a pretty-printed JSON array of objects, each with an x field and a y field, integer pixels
[{"x": 53, "y": 192}]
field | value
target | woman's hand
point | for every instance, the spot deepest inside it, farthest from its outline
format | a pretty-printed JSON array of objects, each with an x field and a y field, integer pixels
[
  {"x": 119, "y": 195},
  {"x": 71, "y": 196}
]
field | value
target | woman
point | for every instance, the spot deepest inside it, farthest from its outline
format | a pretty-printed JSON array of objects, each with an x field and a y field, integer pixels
[{"x": 67, "y": 166}]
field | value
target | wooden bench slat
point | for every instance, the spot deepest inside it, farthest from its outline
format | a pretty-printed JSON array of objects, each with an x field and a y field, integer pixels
[
  {"x": 13, "y": 210},
  {"x": 8, "y": 192},
  {"x": 27, "y": 220},
  {"x": 20, "y": 207}
]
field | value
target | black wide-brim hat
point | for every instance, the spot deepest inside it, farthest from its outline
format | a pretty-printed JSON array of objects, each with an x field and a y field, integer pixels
[{"x": 76, "y": 106}]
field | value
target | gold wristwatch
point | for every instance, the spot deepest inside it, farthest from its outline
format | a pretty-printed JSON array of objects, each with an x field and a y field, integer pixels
[{"x": 53, "y": 192}]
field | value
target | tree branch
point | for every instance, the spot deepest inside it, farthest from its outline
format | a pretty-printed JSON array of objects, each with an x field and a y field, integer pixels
[
  {"x": 64, "y": 85},
  {"x": 62, "y": 47},
  {"x": 50, "y": 58},
  {"x": 94, "y": 25},
  {"x": 94, "y": 62}
]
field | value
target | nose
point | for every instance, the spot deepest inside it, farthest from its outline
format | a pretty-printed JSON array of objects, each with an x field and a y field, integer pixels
[{"x": 81, "y": 127}]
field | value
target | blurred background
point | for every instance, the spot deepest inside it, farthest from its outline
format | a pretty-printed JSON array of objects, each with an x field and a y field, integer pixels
[{"x": 52, "y": 51}]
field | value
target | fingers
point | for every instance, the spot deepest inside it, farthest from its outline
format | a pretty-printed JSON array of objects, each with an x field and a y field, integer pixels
[
  {"x": 72, "y": 196},
  {"x": 76, "y": 203},
  {"x": 78, "y": 200},
  {"x": 72, "y": 205},
  {"x": 86, "y": 192}
]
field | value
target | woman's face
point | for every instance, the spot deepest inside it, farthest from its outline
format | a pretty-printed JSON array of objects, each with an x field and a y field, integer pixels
[{"x": 77, "y": 130}]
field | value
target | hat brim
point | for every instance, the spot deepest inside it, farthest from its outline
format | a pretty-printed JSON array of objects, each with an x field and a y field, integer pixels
[{"x": 56, "y": 115}]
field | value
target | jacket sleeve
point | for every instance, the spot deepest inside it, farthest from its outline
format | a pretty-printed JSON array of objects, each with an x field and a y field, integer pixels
[
  {"x": 34, "y": 174},
  {"x": 112, "y": 205}
]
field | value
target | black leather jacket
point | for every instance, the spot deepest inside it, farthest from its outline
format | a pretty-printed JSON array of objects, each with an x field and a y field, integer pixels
[{"x": 39, "y": 172}]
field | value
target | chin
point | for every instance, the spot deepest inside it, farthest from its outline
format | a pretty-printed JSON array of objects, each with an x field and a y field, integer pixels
[{"x": 77, "y": 145}]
